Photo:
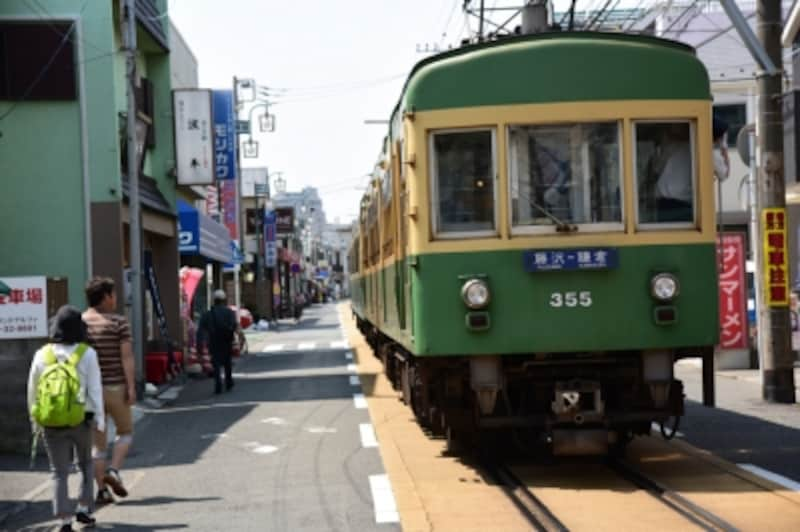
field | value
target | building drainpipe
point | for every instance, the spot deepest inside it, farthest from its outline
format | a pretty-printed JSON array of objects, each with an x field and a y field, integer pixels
[{"x": 84, "y": 125}]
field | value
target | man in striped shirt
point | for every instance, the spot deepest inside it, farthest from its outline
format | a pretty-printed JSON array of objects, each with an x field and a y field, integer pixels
[{"x": 109, "y": 335}]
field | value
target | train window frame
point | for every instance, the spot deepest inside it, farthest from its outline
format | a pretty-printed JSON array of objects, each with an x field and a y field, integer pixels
[
  {"x": 665, "y": 226},
  {"x": 433, "y": 186},
  {"x": 586, "y": 227}
]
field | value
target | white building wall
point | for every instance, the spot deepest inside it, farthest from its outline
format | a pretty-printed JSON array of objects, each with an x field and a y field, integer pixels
[{"x": 182, "y": 61}]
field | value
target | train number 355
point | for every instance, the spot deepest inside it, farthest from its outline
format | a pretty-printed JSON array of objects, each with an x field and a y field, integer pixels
[{"x": 571, "y": 299}]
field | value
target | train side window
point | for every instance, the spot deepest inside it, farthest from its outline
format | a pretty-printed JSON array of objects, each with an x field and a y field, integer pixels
[
  {"x": 665, "y": 174},
  {"x": 566, "y": 173},
  {"x": 463, "y": 182}
]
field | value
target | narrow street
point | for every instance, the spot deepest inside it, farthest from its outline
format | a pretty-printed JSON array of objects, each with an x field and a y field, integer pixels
[{"x": 282, "y": 451}]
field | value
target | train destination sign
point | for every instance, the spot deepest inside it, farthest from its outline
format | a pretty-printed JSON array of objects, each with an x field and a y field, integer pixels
[{"x": 540, "y": 260}]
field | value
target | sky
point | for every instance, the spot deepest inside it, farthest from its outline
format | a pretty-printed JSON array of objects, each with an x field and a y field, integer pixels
[{"x": 340, "y": 62}]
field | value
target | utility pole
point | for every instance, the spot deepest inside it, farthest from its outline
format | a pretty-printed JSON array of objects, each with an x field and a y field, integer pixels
[
  {"x": 480, "y": 26},
  {"x": 237, "y": 294},
  {"x": 778, "y": 370},
  {"x": 134, "y": 222}
]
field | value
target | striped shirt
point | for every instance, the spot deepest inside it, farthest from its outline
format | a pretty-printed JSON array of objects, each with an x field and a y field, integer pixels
[{"x": 107, "y": 332}]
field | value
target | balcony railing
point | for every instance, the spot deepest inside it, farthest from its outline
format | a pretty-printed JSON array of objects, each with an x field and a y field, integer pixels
[{"x": 149, "y": 17}]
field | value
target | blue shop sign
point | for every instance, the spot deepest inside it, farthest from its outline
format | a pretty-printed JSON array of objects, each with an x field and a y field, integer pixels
[
  {"x": 198, "y": 234},
  {"x": 224, "y": 135},
  {"x": 570, "y": 259}
]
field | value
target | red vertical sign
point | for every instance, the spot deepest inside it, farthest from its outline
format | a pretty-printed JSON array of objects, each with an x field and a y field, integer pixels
[{"x": 732, "y": 289}]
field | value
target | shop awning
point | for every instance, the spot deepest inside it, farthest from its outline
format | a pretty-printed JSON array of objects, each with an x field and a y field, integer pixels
[{"x": 201, "y": 235}]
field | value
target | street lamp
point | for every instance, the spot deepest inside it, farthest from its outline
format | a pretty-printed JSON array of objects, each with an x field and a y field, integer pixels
[{"x": 280, "y": 184}]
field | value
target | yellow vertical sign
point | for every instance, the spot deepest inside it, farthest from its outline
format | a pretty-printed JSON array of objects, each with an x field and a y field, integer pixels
[{"x": 776, "y": 269}]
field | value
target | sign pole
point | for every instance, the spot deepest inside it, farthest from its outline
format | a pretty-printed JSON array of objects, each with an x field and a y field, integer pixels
[
  {"x": 778, "y": 370},
  {"x": 134, "y": 225}
]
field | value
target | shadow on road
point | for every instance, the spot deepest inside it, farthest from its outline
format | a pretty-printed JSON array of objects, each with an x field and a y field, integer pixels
[{"x": 152, "y": 501}]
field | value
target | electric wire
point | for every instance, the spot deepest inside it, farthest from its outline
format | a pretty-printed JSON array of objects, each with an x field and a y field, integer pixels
[
  {"x": 331, "y": 86},
  {"x": 302, "y": 98},
  {"x": 447, "y": 24},
  {"x": 41, "y": 73},
  {"x": 47, "y": 18}
]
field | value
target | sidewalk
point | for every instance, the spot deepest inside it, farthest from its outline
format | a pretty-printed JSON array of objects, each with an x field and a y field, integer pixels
[{"x": 743, "y": 428}]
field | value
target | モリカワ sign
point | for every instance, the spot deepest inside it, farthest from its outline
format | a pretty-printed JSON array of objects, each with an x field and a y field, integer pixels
[{"x": 23, "y": 307}]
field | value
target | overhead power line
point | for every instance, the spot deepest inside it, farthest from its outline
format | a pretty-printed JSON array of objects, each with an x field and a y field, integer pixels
[{"x": 41, "y": 73}]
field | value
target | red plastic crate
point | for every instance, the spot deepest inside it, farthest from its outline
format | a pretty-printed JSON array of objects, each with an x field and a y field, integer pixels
[{"x": 156, "y": 367}]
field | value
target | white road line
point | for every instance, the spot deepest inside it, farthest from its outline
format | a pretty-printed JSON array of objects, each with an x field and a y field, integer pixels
[
  {"x": 305, "y": 346},
  {"x": 383, "y": 499},
  {"x": 354, "y": 380},
  {"x": 359, "y": 401},
  {"x": 171, "y": 393},
  {"x": 368, "y": 438},
  {"x": 339, "y": 344},
  {"x": 772, "y": 477},
  {"x": 349, "y": 355},
  {"x": 656, "y": 427},
  {"x": 265, "y": 449},
  {"x": 351, "y": 368},
  {"x": 274, "y": 421},
  {"x": 272, "y": 348}
]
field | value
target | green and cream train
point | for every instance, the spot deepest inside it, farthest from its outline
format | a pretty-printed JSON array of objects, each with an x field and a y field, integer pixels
[{"x": 537, "y": 245}]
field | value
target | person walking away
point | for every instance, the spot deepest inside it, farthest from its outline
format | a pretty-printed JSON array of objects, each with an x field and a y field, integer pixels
[
  {"x": 65, "y": 399},
  {"x": 109, "y": 334},
  {"x": 218, "y": 325}
]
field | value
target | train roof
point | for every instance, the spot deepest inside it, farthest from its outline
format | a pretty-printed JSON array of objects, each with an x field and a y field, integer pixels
[{"x": 556, "y": 67}]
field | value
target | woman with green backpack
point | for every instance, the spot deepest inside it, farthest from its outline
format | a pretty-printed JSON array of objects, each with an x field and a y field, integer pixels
[{"x": 65, "y": 399}]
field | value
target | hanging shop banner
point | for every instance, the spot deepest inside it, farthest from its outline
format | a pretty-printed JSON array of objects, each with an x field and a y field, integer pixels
[
  {"x": 285, "y": 220},
  {"x": 270, "y": 239},
  {"x": 224, "y": 135},
  {"x": 194, "y": 138},
  {"x": 23, "y": 307},
  {"x": 155, "y": 296},
  {"x": 776, "y": 271},
  {"x": 155, "y": 293},
  {"x": 230, "y": 206},
  {"x": 732, "y": 289}
]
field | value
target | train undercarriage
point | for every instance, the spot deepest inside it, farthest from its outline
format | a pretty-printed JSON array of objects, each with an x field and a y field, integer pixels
[{"x": 564, "y": 403}]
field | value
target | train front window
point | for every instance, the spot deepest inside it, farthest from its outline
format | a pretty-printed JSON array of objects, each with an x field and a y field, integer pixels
[
  {"x": 463, "y": 181},
  {"x": 665, "y": 174},
  {"x": 565, "y": 174}
]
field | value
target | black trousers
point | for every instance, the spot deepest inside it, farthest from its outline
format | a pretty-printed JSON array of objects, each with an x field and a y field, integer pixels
[{"x": 220, "y": 360}]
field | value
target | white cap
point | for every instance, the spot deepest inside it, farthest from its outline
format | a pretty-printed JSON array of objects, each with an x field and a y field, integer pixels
[{"x": 219, "y": 295}]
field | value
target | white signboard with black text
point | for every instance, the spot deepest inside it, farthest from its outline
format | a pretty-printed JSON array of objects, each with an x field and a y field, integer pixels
[
  {"x": 254, "y": 182},
  {"x": 194, "y": 138},
  {"x": 23, "y": 307}
]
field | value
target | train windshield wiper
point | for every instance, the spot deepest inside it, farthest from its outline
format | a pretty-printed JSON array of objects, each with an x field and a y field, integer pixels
[{"x": 561, "y": 225}]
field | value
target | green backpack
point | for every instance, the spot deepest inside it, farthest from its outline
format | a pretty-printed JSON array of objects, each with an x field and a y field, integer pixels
[{"x": 58, "y": 402}]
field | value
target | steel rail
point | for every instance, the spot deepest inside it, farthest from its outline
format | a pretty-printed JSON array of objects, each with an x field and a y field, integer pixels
[
  {"x": 526, "y": 502},
  {"x": 691, "y": 511}
]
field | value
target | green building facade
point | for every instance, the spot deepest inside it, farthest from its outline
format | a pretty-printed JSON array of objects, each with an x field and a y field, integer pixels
[{"x": 62, "y": 162}]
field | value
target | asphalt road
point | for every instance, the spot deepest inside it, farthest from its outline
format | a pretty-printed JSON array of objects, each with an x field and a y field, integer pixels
[{"x": 285, "y": 450}]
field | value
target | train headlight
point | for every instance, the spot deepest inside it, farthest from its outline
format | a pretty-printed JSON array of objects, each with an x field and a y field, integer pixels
[
  {"x": 664, "y": 287},
  {"x": 475, "y": 294}
]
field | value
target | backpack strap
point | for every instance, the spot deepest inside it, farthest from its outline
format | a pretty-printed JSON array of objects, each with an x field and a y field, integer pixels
[
  {"x": 48, "y": 355},
  {"x": 75, "y": 358}
]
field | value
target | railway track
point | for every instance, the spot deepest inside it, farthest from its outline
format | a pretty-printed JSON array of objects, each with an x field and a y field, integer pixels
[
  {"x": 691, "y": 511},
  {"x": 543, "y": 519},
  {"x": 535, "y": 511}
]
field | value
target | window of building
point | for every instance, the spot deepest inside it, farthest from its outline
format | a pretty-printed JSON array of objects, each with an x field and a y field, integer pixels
[
  {"x": 463, "y": 170},
  {"x": 665, "y": 173},
  {"x": 735, "y": 115},
  {"x": 565, "y": 174},
  {"x": 37, "y": 61}
]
